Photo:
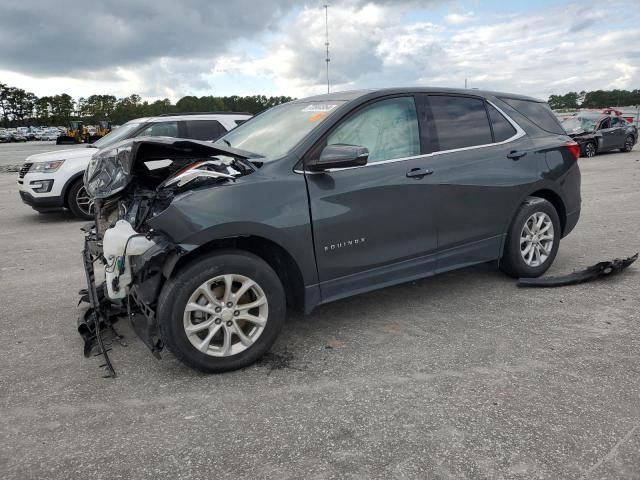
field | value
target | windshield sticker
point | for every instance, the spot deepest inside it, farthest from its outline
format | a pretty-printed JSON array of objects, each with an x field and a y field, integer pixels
[
  {"x": 316, "y": 117},
  {"x": 319, "y": 108}
]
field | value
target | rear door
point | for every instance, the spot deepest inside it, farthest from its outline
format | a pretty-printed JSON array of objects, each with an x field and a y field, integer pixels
[
  {"x": 481, "y": 159},
  {"x": 375, "y": 224}
]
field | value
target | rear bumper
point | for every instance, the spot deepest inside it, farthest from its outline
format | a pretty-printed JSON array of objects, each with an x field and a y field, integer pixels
[
  {"x": 572, "y": 221},
  {"x": 42, "y": 204}
]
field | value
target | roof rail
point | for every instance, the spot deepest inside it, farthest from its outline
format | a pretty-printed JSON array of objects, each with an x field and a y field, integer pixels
[{"x": 176, "y": 114}]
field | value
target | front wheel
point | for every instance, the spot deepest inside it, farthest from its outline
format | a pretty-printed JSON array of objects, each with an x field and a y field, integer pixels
[
  {"x": 590, "y": 150},
  {"x": 628, "y": 144},
  {"x": 533, "y": 239},
  {"x": 222, "y": 312},
  {"x": 79, "y": 202}
]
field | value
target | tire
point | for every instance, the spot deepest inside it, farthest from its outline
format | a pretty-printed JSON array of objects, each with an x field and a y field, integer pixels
[
  {"x": 628, "y": 144},
  {"x": 590, "y": 150},
  {"x": 74, "y": 201},
  {"x": 513, "y": 261},
  {"x": 186, "y": 287}
]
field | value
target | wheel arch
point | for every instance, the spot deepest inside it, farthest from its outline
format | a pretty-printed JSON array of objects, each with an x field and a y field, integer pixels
[
  {"x": 67, "y": 187},
  {"x": 277, "y": 257},
  {"x": 547, "y": 193},
  {"x": 556, "y": 200}
]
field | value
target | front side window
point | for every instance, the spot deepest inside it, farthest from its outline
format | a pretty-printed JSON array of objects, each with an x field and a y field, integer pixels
[
  {"x": 618, "y": 122},
  {"x": 388, "y": 129},
  {"x": 460, "y": 122},
  {"x": 502, "y": 129},
  {"x": 606, "y": 123},
  {"x": 160, "y": 129},
  {"x": 204, "y": 129}
]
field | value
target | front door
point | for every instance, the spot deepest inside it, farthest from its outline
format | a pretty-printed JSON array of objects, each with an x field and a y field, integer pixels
[
  {"x": 609, "y": 134},
  {"x": 375, "y": 224}
]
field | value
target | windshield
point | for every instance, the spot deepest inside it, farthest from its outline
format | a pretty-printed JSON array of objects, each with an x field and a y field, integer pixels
[
  {"x": 116, "y": 135},
  {"x": 275, "y": 132},
  {"x": 588, "y": 124}
]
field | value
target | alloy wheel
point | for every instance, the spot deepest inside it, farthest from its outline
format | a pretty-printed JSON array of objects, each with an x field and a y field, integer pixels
[
  {"x": 225, "y": 315},
  {"x": 590, "y": 150},
  {"x": 628, "y": 144},
  {"x": 536, "y": 239},
  {"x": 84, "y": 202}
]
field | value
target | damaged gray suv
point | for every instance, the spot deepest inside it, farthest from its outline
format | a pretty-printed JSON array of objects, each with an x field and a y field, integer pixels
[{"x": 204, "y": 246}]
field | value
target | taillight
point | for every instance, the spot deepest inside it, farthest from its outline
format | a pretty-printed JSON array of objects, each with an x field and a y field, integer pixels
[{"x": 574, "y": 149}]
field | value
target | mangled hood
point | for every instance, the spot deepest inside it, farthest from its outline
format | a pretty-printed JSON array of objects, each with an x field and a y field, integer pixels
[{"x": 111, "y": 170}]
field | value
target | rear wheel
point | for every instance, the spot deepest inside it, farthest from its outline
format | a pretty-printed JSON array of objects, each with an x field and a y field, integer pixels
[
  {"x": 533, "y": 239},
  {"x": 222, "y": 312},
  {"x": 590, "y": 150},
  {"x": 79, "y": 202},
  {"x": 628, "y": 144}
]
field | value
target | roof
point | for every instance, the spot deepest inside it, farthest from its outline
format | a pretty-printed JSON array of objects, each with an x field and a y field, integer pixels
[
  {"x": 193, "y": 116},
  {"x": 354, "y": 94}
]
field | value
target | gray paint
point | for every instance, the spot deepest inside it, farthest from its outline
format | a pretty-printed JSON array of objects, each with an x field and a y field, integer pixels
[{"x": 361, "y": 228}]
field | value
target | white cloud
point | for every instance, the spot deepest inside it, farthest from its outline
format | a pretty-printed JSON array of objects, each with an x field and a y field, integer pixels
[
  {"x": 458, "y": 18},
  {"x": 385, "y": 43}
]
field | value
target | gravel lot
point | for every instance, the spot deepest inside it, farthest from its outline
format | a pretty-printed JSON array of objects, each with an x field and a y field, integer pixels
[{"x": 457, "y": 376}]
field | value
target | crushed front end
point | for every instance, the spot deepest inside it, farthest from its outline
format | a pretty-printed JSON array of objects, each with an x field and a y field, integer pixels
[{"x": 125, "y": 260}]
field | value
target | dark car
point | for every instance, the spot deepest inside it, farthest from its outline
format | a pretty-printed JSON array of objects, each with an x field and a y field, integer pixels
[
  {"x": 596, "y": 133},
  {"x": 18, "y": 137},
  {"x": 204, "y": 246}
]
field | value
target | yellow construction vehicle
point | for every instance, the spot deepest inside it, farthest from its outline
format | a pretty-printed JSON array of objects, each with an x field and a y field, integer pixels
[
  {"x": 101, "y": 130},
  {"x": 75, "y": 133}
]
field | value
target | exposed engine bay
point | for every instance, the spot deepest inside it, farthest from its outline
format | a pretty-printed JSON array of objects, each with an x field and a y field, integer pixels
[{"x": 131, "y": 184}]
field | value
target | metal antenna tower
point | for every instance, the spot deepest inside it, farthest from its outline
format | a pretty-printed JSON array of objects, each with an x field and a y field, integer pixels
[{"x": 326, "y": 44}]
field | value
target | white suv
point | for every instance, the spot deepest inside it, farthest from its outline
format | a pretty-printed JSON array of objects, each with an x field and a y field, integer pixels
[{"x": 53, "y": 180}]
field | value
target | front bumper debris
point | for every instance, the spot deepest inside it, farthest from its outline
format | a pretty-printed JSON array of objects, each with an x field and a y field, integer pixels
[
  {"x": 97, "y": 318},
  {"x": 600, "y": 269}
]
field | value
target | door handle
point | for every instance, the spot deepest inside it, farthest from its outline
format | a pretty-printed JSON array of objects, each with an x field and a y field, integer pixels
[
  {"x": 515, "y": 155},
  {"x": 418, "y": 172}
]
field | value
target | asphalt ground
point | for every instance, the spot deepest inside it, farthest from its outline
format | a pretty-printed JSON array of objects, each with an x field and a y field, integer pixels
[{"x": 457, "y": 376}]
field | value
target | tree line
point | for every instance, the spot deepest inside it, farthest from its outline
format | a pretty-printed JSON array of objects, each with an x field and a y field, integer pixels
[
  {"x": 21, "y": 108},
  {"x": 595, "y": 99}
]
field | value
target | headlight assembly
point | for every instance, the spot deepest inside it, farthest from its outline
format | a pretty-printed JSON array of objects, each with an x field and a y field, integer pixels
[
  {"x": 46, "y": 167},
  {"x": 108, "y": 172}
]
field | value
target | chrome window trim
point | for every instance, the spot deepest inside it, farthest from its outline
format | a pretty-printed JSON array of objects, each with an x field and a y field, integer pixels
[{"x": 519, "y": 134}]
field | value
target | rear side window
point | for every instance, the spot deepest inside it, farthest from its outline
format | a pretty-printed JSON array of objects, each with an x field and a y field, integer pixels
[
  {"x": 538, "y": 113},
  {"x": 460, "y": 121},
  {"x": 205, "y": 129},
  {"x": 502, "y": 129}
]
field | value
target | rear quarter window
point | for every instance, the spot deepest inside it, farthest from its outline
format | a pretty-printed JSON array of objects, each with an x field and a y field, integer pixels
[
  {"x": 537, "y": 113},
  {"x": 502, "y": 129}
]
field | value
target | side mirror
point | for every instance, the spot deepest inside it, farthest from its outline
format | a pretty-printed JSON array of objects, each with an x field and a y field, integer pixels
[{"x": 340, "y": 156}]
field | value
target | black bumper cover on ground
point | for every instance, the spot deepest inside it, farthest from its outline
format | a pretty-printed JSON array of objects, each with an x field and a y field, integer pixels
[{"x": 600, "y": 269}]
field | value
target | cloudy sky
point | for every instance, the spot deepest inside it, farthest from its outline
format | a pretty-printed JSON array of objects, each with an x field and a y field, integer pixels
[{"x": 172, "y": 48}]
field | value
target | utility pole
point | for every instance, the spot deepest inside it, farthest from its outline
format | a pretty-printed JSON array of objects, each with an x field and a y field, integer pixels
[{"x": 326, "y": 44}]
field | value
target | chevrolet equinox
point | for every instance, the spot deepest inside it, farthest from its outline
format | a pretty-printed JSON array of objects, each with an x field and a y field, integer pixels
[{"x": 205, "y": 245}]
